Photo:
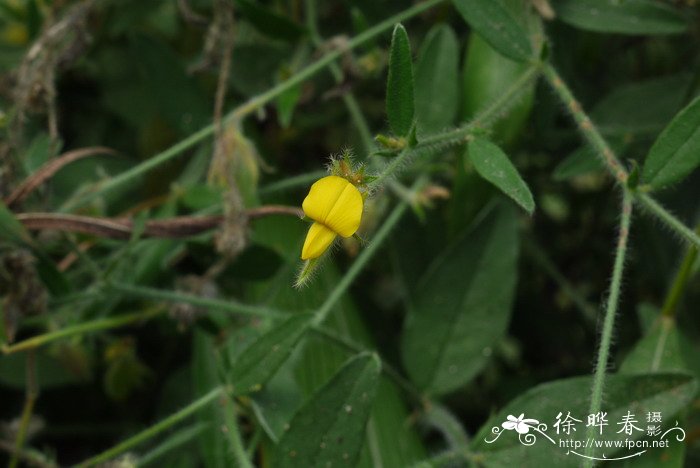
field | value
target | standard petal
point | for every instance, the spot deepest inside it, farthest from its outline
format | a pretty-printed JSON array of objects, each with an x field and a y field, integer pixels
[
  {"x": 335, "y": 202},
  {"x": 322, "y": 197},
  {"x": 344, "y": 218},
  {"x": 317, "y": 241}
]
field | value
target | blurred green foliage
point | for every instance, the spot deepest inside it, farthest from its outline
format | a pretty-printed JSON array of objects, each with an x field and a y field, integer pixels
[{"x": 482, "y": 302}]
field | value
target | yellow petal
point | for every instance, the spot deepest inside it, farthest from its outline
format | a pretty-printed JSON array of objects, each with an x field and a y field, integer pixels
[
  {"x": 336, "y": 203},
  {"x": 317, "y": 241}
]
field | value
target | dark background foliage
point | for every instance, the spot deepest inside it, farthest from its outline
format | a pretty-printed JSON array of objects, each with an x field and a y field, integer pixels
[{"x": 139, "y": 76}]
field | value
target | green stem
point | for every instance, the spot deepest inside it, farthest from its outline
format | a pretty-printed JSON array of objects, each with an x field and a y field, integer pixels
[
  {"x": 348, "y": 98},
  {"x": 495, "y": 110},
  {"x": 291, "y": 182},
  {"x": 174, "y": 441},
  {"x": 460, "y": 135},
  {"x": 612, "y": 163},
  {"x": 234, "y": 436},
  {"x": 359, "y": 264},
  {"x": 142, "y": 168},
  {"x": 356, "y": 114},
  {"x": 610, "y": 312},
  {"x": 101, "y": 324},
  {"x": 679, "y": 282},
  {"x": 533, "y": 249},
  {"x": 161, "y": 295},
  {"x": 29, "y": 401},
  {"x": 31, "y": 457},
  {"x": 585, "y": 125},
  {"x": 154, "y": 430},
  {"x": 655, "y": 208},
  {"x": 439, "y": 417},
  {"x": 252, "y": 105},
  {"x": 260, "y": 100}
]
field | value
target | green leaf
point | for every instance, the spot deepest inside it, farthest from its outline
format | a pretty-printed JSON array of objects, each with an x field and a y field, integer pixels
[
  {"x": 359, "y": 26},
  {"x": 269, "y": 22},
  {"x": 330, "y": 428},
  {"x": 663, "y": 349},
  {"x": 199, "y": 196},
  {"x": 12, "y": 230},
  {"x": 38, "y": 152},
  {"x": 620, "y": 113},
  {"x": 213, "y": 449},
  {"x": 286, "y": 103},
  {"x": 437, "y": 84},
  {"x": 399, "y": 86},
  {"x": 495, "y": 23},
  {"x": 639, "y": 394},
  {"x": 448, "y": 328},
  {"x": 259, "y": 362},
  {"x": 676, "y": 153},
  {"x": 671, "y": 457},
  {"x": 390, "y": 442},
  {"x": 622, "y": 17},
  {"x": 493, "y": 165},
  {"x": 486, "y": 76}
]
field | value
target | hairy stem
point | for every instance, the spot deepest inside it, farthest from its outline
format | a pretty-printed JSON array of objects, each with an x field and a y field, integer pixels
[
  {"x": 610, "y": 312},
  {"x": 460, "y": 135},
  {"x": 255, "y": 103},
  {"x": 655, "y": 208},
  {"x": 679, "y": 282},
  {"x": 585, "y": 125},
  {"x": 96, "y": 325},
  {"x": 227, "y": 305},
  {"x": 251, "y": 106},
  {"x": 234, "y": 436},
  {"x": 154, "y": 430},
  {"x": 350, "y": 102},
  {"x": 612, "y": 163}
]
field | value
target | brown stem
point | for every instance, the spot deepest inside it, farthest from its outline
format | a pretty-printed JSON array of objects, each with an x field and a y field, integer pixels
[
  {"x": 121, "y": 228},
  {"x": 47, "y": 171}
]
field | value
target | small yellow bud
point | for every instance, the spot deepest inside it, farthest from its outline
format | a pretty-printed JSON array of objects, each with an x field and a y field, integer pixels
[{"x": 335, "y": 205}]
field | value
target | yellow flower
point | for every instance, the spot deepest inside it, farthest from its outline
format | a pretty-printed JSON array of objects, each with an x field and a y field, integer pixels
[{"x": 335, "y": 206}]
